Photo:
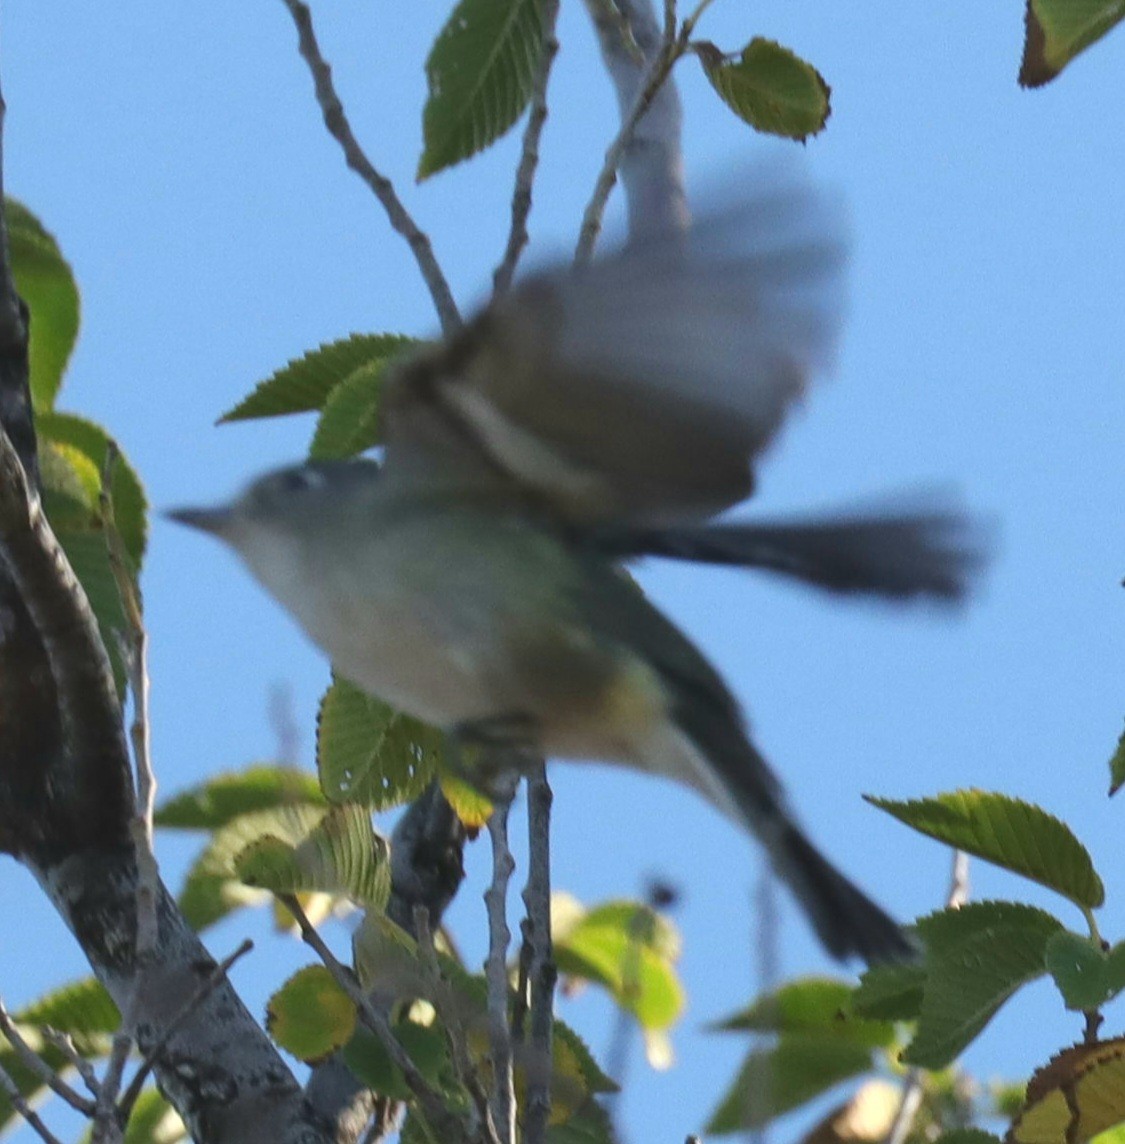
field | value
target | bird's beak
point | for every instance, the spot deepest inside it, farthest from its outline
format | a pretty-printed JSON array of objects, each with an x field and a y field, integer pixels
[{"x": 216, "y": 521}]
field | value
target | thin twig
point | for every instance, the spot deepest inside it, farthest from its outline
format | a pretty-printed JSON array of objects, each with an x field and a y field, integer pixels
[
  {"x": 672, "y": 47},
  {"x": 913, "y": 1088},
  {"x": 206, "y": 987},
  {"x": 9, "y": 1088},
  {"x": 36, "y": 1065},
  {"x": 339, "y": 128},
  {"x": 496, "y": 967},
  {"x": 543, "y": 974},
  {"x": 441, "y": 1119},
  {"x": 529, "y": 155},
  {"x": 64, "y": 1043}
]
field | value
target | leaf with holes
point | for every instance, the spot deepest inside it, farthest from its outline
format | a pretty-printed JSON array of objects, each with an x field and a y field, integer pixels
[
  {"x": 369, "y": 753},
  {"x": 1007, "y": 832},
  {"x": 480, "y": 73}
]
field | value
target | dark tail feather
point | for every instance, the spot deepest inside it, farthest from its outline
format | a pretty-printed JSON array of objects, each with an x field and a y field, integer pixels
[
  {"x": 897, "y": 556},
  {"x": 846, "y": 920},
  {"x": 848, "y": 923}
]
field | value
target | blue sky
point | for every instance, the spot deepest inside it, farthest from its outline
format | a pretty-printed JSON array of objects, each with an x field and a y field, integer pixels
[{"x": 177, "y": 154}]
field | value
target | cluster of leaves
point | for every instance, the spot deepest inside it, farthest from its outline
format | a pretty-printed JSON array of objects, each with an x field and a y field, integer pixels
[
  {"x": 72, "y": 450},
  {"x": 923, "y": 1015}
]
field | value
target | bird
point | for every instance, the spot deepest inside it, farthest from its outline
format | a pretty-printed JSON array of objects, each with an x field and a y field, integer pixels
[{"x": 476, "y": 574}]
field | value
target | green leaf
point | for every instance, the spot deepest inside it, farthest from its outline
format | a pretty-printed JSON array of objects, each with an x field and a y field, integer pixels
[
  {"x": 218, "y": 800},
  {"x": 1087, "y": 976},
  {"x": 776, "y": 1080},
  {"x": 574, "y": 1063},
  {"x": 310, "y": 1016},
  {"x": 349, "y": 420},
  {"x": 891, "y": 992},
  {"x": 342, "y": 854},
  {"x": 591, "y": 1124},
  {"x": 130, "y": 506},
  {"x": 624, "y": 946},
  {"x": 154, "y": 1121},
  {"x": 367, "y": 752},
  {"x": 480, "y": 74},
  {"x": 305, "y": 383},
  {"x": 426, "y": 1045},
  {"x": 1058, "y": 30},
  {"x": 1117, "y": 767},
  {"x": 212, "y": 889},
  {"x": 1007, "y": 832},
  {"x": 976, "y": 958},
  {"x": 45, "y": 282},
  {"x": 769, "y": 87},
  {"x": 810, "y": 1004}
]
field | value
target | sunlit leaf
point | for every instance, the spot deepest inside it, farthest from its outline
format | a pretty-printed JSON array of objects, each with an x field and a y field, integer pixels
[
  {"x": 218, "y": 800},
  {"x": 310, "y": 1016}
]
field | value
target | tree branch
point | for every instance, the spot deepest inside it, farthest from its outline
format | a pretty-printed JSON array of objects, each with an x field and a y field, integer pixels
[
  {"x": 339, "y": 128},
  {"x": 529, "y": 155}
]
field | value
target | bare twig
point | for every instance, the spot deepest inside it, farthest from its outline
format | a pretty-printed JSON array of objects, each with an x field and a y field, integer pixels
[
  {"x": 209, "y": 984},
  {"x": 913, "y": 1086},
  {"x": 35, "y": 1064},
  {"x": 339, "y": 128},
  {"x": 64, "y": 1043},
  {"x": 441, "y": 1119},
  {"x": 496, "y": 967},
  {"x": 529, "y": 155},
  {"x": 542, "y": 972},
  {"x": 11, "y": 1091}
]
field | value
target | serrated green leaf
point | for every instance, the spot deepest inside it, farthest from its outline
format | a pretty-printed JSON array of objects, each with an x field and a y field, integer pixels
[
  {"x": 427, "y": 1047},
  {"x": 45, "y": 282},
  {"x": 349, "y": 420},
  {"x": 479, "y": 73},
  {"x": 310, "y": 1016},
  {"x": 305, "y": 383},
  {"x": 572, "y": 1058},
  {"x": 369, "y": 753},
  {"x": 773, "y": 1081},
  {"x": 342, "y": 854},
  {"x": 976, "y": 958},
  {"x": 218, "y": 800},
  {"x": 1117, "y": 767},
  {"x": 212, "y": 889},
  {"x": 1080, "y": 969},
  {"x": 618, "y": 947},
  {"x": 811, "y": 1004},
  {"x": 1010, "y": 833},
  {"x": 769, "y": 87},
  {"x": 1059, "y": 30},
  {"x": 891, "y": 992}
]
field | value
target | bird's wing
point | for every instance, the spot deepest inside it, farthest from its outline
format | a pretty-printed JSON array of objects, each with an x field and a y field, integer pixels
[{"x": 643, "y": 386}]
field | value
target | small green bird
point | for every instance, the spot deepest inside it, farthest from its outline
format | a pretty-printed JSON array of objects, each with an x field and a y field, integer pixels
[{"x": 474, "y": 576}]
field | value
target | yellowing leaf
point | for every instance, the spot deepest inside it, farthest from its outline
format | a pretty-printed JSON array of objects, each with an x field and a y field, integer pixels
[{"x": 310, "y": 1016}]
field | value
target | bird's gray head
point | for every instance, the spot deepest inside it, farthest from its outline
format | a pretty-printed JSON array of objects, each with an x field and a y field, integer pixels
[{"x": 291, "y": 501}]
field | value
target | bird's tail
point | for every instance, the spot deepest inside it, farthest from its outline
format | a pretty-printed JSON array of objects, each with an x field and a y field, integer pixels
[
  {"x": 895, "y": 555},
  {"x": 846, "y": 920}
]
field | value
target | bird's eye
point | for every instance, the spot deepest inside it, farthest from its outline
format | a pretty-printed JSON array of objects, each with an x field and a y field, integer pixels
[{"x": 298, "y": 480}]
